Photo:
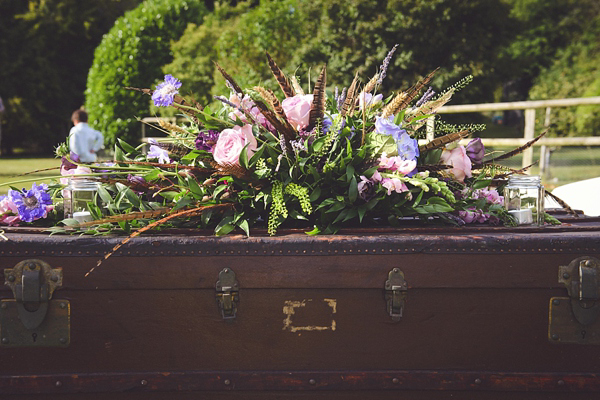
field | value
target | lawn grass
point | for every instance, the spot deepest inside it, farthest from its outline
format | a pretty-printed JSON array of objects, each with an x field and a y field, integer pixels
[{"x": 10, "y": 168}]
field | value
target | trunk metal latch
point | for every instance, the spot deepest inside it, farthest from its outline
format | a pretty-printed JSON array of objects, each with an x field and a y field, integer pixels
[
  {"x": 32, "y": 318},
  {"x": 574, "y": 319},
  {"x": 227, "y": 294},
  {"x": 395, "y": 294}
]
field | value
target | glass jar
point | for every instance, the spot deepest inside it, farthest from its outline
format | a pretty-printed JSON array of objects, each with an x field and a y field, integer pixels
[
  {"x": 78, "y": 193},
  {"x": 524, "y": 199}
]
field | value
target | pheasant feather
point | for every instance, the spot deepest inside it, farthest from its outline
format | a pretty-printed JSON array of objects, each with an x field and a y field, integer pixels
[
  {"x": 229, "y": 79},
  {"x": 562, "y": 203},
  {"x": 444, "y": 140},
  {"x": 516, "y": 151},
  {"x": 185, "y": 213},
  {"x": 349, "y": 102},
  {"x": 317, "y": 109},
  {"x": 280, "y": 76}
]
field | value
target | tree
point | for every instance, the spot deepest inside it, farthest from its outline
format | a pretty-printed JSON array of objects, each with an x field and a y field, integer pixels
[{"x": 47, "y": 47}]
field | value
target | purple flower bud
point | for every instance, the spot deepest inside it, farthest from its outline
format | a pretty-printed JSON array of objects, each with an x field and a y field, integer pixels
[
  {"x": 475, "y": 151},
  {"x": 207, "y": 140}
]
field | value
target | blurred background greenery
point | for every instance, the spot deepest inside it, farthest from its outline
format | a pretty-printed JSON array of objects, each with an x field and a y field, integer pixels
[{"x": 57, "y": 55}]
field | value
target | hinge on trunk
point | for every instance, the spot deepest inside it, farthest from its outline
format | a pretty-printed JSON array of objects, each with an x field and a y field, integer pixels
[
  {"x": 574, "y": 319},
  {"x": 227, "y": 293},
  {"x": 32, "y": 318},
  {"x": 395, "y": 293}
]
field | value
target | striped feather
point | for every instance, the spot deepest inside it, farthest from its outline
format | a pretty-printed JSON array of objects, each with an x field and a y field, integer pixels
[
  {"x": 280, "y": 76},
  {"x": 349, "y": 102},
  {"x": 433, "y": 167},
  {"x": 229, "y": 79},
  {"x": 517, "y": 150},
  {"x": 403, "y": 99},
  {"x": 444, "y": 140},
  {"x": 232, "y": 169},
  {"x": 562, "y": 203},
  {"x": 178, "y": 166},
  {"x": 273, "y": 101},
  {"x": 184, "y": 213},
  {"x": 127, "y": 217},
  {"x": 317, "y": 109}
]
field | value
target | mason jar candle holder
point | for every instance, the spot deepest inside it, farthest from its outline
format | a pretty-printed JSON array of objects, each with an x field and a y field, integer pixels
[
  {"x": 524, "y": 199},
  {"x": 78, "y": 193}
]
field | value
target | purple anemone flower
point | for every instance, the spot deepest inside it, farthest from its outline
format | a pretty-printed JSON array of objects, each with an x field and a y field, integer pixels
[
  {"x": 476, "y": 151},
  {"x": 165, "y": 92},
  {"x": 156, "y": 152},
  {"x": 207, "y": 140},
  {"x": 31, "y": 204}
]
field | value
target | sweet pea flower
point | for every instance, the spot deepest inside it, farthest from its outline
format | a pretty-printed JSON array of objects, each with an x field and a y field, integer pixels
[
  {"x": 229, "y": 146},
  {"x": 9, "y": 214},
  {"x": 297, "y": 110},
  {"x": 386, "y": 126},
  {"x": 368, "y": 100},
  {"x": 393, "y": 185},
  {"x": 398, "y": 164},
  {"x": 475, "y": 151},
  {"x": 460, "y": 162}
]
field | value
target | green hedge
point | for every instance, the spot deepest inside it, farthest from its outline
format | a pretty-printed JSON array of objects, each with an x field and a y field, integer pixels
[{"x": 132, "y": 54}]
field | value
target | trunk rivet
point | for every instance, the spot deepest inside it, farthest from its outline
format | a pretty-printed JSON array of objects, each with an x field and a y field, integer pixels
[
  {"x": 62, "y": 340},
  {"x": 63, "y": 305},
  {"x": 561, "y": 382},
  {"x": 58, "y": 384},
  {"x": 312, "y": 381},
  {"x": 144, "y": 382},
  {"x": 54, "y": 278},
  {"x": 3, "y": 305},
  {"x": 5, "y": 340},
  {"x": 11, "y": 278},
  {"x": 554, "y": 336},
  {"x": 556, "y": 302},
  {"x": 227, "y": 382},
  {"x": 477, "y": 381},
  {"x": 566, "y": 275},
  {"x": 395, "y": 270},
  {"x": 395, "y": 380}
]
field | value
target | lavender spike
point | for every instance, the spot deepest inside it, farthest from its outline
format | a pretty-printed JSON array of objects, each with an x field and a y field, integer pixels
[
  {"x": 425, "y": 98},
  {"x": 385, "y": 65},
  {"x": 341, "y": 99}
]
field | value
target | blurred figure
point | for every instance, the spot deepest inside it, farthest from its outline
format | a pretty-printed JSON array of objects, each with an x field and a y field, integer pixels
[
  {"x": 83, "y": 140},
  {"x": 1, "y": 112}
]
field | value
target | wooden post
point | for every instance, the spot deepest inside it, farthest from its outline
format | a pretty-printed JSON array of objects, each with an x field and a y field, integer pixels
[
  {"x": 544, "y": 151},
  {"x": 529, "y": 134},
  {"x": 430, "y": 129}
]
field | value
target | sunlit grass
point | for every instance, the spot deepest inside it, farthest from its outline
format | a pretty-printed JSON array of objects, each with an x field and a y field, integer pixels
[{"x": 10, "y": 168}]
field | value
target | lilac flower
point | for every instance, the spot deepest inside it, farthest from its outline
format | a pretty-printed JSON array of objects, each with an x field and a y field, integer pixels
[
  {"x": 341, "y": 99},
  {"x": 207, "y": 140},
  {"x": 156, "y": 152},
  {"x": 475, "y": 151},
  {"x": 425, "y": 98},
  {"x": 165, "y": 92},
  {"x": 31, "y": 204},
  {"x": 385, "y": 65}
]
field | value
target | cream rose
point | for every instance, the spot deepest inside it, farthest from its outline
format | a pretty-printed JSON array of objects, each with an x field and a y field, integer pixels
[
  {"x": 297, "y": 110},
  {"x": 231, "y": 142}
]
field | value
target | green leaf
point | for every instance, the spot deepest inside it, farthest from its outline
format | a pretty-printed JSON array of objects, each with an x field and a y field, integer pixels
[
  {"x": 317, "y": 145},
  {"x": 418, "y": 199},
  {"x": 315, "y": 231},
  {"x": 481, "y": 184},
  {"x": 132, "y": 198},
  {"x": 104, "y": 194},
  {"x": 316, "y": 193},
  {"x": 224, "y": 226},
  {"x": 119, "y": 156},
  {"x": 353, "y": 189},
  {"x": 243, "y": 224},
  {"x": 184, "y": 201},
  {"x": 361, "y": 212},
  {"x": 152, "y": 175},
  {"x": 244, "y": 157},
  {"x": 195, "y": 188},
  {"x": 349, "y": 173},
  {"x": 336, "y": 207},
  {"x": 255, "y": 157},
  {"x": 126, "y": 146}
]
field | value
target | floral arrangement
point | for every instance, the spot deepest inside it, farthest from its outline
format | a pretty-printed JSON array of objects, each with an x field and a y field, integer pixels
[{"x": 317, "y": 161}]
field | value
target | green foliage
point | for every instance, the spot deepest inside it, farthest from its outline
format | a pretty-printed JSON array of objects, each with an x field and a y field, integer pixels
[
  {"x": 132, "y": 54},
  {"x": 350, "y": 36},
  {"x": 46, "y": 49},
  {"x": 574, "y": 73}
]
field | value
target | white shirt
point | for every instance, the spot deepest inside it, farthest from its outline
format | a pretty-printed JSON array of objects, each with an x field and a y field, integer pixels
[{"x": 85, "y": 142}]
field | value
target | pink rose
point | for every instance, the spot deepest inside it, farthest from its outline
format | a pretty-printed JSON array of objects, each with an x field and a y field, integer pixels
[
  {"x": 297, "y": 110},
  {"x": 460, "y": 162},
  {"x": 231, "y": 142}
]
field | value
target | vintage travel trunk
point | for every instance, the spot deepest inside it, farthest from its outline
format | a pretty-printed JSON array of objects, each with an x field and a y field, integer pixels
[{"x": 412, "y": 313}]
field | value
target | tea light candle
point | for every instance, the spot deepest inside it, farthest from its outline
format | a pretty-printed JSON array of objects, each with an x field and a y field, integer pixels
[
  {"x": 523, "y": 217},
  {"x": 82, "y": 216}
]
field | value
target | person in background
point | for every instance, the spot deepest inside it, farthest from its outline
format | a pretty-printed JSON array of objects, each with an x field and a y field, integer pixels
[
  {"x": 83, "y": 140},
  {"x": 1, "y": 111}
]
